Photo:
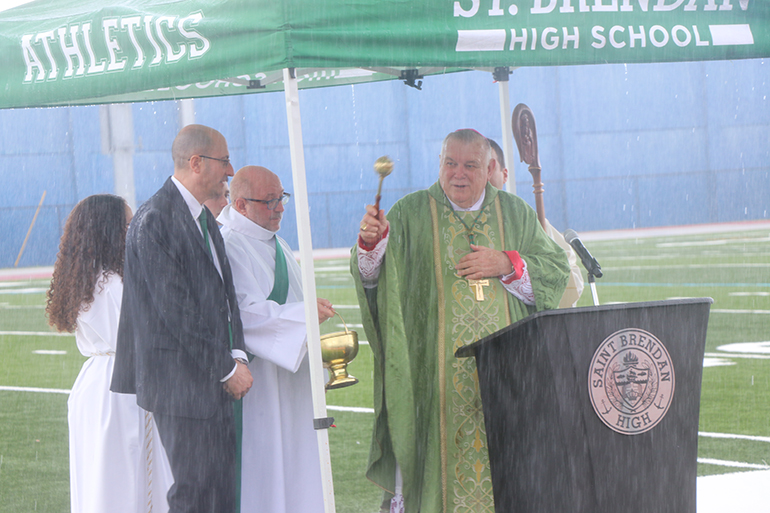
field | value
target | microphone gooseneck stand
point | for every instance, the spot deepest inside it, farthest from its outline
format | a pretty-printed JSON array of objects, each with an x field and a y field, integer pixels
[
  {"x": 592, "y": 284},
  {"x": 589, "y": 262}
]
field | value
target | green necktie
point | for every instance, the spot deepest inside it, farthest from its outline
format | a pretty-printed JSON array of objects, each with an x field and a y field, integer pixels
[
  {"x": 281, "y": 286},
  {"x": 202, "y": 219}
]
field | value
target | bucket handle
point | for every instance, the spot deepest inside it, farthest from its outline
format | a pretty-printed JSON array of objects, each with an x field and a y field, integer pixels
[{"x": 343, "y": 322}]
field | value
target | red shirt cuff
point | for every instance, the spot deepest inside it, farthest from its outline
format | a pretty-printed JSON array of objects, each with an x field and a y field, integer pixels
[
  {"x": 518, "y": 266},
  {"x": 367, "y": 247}
]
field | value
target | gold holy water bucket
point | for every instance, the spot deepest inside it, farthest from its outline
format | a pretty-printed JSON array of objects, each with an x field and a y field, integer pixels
[{"x": 337, "y": 350}]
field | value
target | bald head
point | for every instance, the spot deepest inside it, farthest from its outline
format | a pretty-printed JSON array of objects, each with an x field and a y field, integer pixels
[
  {"x": 192, "y": 140},
  {"x": 248, "y": 181},
  {"x": 257, "y": 183},
  {"x": 201, "y": 161}
]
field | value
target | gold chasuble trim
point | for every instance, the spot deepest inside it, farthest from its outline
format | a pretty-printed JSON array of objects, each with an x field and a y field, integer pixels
[
  {"x": 441, "y": 348},
  {"x": 466, "y": 483},
  {"x": 499, "y": 211}
]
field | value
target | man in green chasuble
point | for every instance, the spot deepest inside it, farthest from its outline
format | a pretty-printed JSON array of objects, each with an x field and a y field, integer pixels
[{"x": 448, "y": 266}]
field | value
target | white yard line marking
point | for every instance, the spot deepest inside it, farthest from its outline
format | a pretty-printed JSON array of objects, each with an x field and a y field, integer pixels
[
  {"x": 354, "y": 409},
  {"x": 726, "y": 355},
  {"x": 24, "y": 291},
  {"x": 735, "y": 464},
  {"x": 12, "y": 284},
  {"x": 37, "y": 333},
  {"x": 762, "y": 347},
  {"x": 357, "y": 409},
  {"x": 6, "y": 306},
  {"x": 33, "y": 389},
  {"x": 735, "y": 437},
  {"x": 713, "y": 242},
  {"x": 716, "y": 362},
  {"x": 719, "y": 310},
  {"x": 744, "y": 265}
]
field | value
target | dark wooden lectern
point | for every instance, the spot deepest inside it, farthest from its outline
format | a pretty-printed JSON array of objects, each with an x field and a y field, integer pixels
[{"x": 552, "y": 451}]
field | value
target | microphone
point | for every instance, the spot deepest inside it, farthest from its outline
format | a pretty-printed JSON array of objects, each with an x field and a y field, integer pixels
[{"x": 589, "y": 262}]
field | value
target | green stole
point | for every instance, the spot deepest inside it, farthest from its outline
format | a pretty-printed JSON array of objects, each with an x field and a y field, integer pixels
[
  {"x": 281, "y": 286},
  {"x": 466, "y": 478}
]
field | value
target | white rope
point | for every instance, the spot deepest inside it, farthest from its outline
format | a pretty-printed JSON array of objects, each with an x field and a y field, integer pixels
[{"x": 148, "y": 457}]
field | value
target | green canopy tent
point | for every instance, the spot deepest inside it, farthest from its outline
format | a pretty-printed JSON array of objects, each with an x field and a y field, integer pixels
[{"x": 70, "y": 52}]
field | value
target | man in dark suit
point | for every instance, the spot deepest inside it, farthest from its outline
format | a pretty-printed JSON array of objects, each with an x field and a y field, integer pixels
[{"x": 180, "y": 338}]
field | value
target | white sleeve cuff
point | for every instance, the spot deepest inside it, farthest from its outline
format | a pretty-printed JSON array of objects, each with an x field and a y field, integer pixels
[
  {"x": 370, "y": 262},
  {"x": 521, "y": 288},
  {"x": 230, "y": 375}
]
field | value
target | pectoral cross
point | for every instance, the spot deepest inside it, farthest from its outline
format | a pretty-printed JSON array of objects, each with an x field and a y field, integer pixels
[{"x": 478, "y": 286}]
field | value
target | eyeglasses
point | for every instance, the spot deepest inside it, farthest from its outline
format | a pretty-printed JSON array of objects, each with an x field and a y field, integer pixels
[
  {"x": 271, "y": 204},
  {"x": 225, "y": 161}
]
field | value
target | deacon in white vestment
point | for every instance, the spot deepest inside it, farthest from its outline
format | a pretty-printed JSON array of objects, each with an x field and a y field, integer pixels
[
  {"x": 281, "y": 470},
  {"x": 117, "y": 461},
  {"x": 498, "y": 177}
]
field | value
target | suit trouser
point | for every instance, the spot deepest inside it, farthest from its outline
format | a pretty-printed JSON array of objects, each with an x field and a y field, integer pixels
[{"x": 201, "y": 453}]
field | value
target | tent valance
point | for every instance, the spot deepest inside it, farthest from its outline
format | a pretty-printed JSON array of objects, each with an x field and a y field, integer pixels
[{"x": 91, "y": 51}]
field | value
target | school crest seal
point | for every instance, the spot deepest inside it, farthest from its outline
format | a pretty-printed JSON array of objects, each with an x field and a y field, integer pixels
[{"x": 631, "y": 381}]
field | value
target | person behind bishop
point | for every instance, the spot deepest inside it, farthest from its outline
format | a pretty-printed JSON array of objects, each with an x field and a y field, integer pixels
[
  {"x": 281, "y": 469},
  {"x": 498, "y": 178},
  {"x": 215, "y": 205},
  {"x": 446, "y": 267}
]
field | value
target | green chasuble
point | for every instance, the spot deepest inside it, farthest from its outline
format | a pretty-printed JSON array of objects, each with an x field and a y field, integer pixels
[{"x": 428, "y": 413}]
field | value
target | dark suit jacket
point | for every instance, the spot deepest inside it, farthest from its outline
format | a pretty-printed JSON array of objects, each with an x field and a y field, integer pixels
[{"x": 173, "y": 345}]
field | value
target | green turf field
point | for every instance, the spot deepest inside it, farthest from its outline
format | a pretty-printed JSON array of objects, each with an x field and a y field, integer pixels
[{"x": 732, "y": 268}]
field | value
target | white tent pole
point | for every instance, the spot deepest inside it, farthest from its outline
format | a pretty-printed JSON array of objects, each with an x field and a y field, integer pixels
[
  {"x": 507, "y": 142},
  {"x": 186, "y": 112},
  {"x": 308, "y": 284}
]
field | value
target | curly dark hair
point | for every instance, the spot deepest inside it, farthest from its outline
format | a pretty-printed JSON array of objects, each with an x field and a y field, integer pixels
[{"x": 94, "y": 242}]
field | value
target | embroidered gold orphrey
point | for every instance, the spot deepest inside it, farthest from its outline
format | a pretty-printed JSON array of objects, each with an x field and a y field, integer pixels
[{"x": 465, "y": 474}]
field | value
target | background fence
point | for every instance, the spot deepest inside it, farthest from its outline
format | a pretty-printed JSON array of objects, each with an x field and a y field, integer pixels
[{"x": 621, "y": 146}]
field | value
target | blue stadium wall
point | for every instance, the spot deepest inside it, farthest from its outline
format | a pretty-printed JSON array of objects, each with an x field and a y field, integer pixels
[{"x": 621, "y": 147}]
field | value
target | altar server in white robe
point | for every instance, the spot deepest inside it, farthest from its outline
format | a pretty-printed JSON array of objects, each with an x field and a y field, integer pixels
[
  {"x": 117, "y": 462},
  {"x": 281, "y": 469}
]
